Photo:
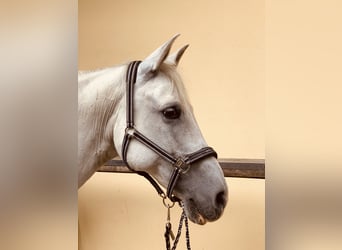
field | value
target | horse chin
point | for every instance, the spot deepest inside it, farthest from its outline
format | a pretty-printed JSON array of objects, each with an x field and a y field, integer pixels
[
  {"x": 195, "y": 214},
  {"x": 198, "y": 219}
]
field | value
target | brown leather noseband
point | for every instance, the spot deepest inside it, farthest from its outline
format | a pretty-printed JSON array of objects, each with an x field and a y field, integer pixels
[{"x": 180, "y": 164}]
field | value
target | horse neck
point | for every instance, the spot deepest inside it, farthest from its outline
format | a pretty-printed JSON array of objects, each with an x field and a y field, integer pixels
[{"x": 100, "y": 93}]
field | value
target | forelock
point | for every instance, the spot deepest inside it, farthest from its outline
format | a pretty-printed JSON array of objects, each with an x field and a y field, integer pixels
[{"x": 170, "y": 72}]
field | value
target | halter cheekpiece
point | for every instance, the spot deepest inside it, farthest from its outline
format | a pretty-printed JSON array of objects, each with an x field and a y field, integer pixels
[{"x": 180, "y": 164}]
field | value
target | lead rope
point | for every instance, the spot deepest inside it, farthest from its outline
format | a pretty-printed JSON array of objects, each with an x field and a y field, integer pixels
[{"x": 168, "y": 231}]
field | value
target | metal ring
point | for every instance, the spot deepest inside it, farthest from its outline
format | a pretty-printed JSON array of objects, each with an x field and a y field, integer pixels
[
  {"x": 167, "y": 205},
  {"x": 129, "y": 131},
  {"x": 186, "y": 169},
  {"x": 182, "y": 165}
]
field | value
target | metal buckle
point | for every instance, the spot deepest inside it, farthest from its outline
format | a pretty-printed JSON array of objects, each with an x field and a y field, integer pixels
[{"x": 182, "y": 165}]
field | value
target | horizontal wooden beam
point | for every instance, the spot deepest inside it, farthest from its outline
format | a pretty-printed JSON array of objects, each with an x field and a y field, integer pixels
[{"x": 242, "y": 168}]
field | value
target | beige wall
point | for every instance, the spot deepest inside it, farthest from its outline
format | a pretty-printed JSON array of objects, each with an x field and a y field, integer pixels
[
  {"x": 224, "y": 72},
  {"x": 122, "y": 211}
]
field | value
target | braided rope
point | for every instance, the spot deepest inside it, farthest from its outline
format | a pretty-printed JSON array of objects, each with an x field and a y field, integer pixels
[
  {"x": 179, "y": 232},
  {"x": 187, "y": 234},
  {"x": 184, "y": 219},
  {"x": 167, "y": 237}
]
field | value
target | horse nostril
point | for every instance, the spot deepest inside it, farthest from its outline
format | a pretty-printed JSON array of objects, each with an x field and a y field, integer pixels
[{"x": 221, "y": 199}]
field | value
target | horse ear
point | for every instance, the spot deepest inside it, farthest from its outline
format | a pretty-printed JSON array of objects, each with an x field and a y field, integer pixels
[
  {"x": 152, "y": 63},
  {"x": 175, "y": 57}
]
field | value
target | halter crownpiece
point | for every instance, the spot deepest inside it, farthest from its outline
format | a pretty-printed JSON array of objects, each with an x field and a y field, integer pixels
[{"x": 180, "y": 164}]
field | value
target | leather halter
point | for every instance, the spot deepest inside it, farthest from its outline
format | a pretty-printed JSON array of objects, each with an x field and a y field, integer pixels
[{"x": 180, "y": 164}]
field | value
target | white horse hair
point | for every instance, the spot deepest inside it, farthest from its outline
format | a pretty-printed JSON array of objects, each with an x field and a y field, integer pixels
[{"x": 102, "y": 122}]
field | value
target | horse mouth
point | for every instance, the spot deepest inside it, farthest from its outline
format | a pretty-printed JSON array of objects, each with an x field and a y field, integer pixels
[
  {"x": 195, "y": 216},
  {"x": 200, "y": 215},
  {"x": 200, "y": 219}
]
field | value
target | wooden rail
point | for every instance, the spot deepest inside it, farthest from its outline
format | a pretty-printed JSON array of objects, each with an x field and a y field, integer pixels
[{"x": 242, "y": 168}]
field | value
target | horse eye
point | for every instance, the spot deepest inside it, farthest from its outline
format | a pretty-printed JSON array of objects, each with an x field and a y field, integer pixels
[{"x": 172, "y": 113}]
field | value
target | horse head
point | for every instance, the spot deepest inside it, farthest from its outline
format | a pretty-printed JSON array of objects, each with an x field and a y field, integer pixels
[{"x": 162, "y": 113}]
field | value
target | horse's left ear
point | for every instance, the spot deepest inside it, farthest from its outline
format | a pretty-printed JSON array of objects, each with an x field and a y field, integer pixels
[
  {"x": 151, "y": 64},
  {"x": 174, "y": 58}
]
